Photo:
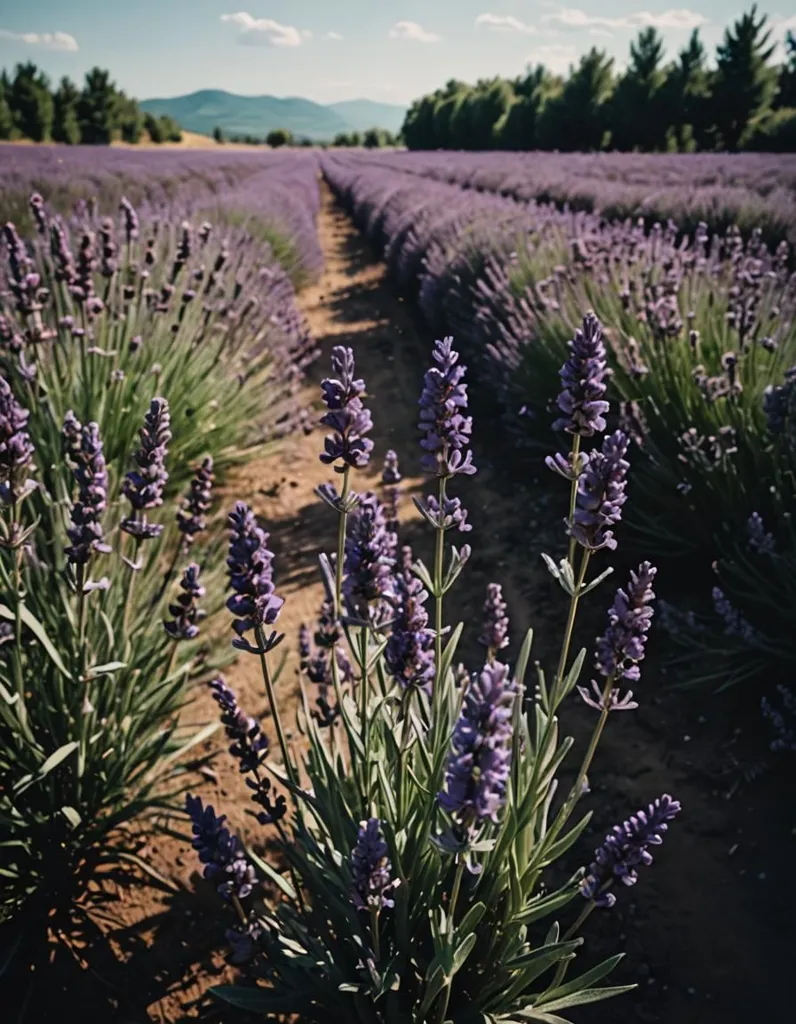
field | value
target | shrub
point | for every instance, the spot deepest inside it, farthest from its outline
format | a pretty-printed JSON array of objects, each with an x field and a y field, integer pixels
[
  {"x": 421, "y": 835},
  {"x": 278, "y": 137}
]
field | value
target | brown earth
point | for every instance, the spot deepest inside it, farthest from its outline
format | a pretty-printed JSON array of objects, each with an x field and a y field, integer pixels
[{"x": 709, "y": 929}]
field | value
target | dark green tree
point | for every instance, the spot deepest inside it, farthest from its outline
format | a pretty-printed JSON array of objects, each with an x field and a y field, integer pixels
[
  {"x": 517, "y": 128},
  {"x": 744, "y": 82},
  {"x": 31, "y": 103},
  {"x": 490, "y": 104},
  {"x": 278, "y": 137},
  {"x": 578, "y": 119},
  {"x": 786, "y": 93},
  {"x": 418, "y": 127},
  {"x": 66, "y": 127},
  {"x": 686, "y": 98},
  {"x": 129, "y": 119},
  {"x": 7, "y": 128},
  {"x": 218, "y": 134},
  {"x": 373, "y": 138},
  {"x": 637, "y": 120},
  {"x": 98, "y": 108}
]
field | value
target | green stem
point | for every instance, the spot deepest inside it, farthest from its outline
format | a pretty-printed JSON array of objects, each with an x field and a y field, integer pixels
[
  {"x": 563, "y": 965},
  {"x": 269, "y": 690},
  {"x": 439, "y": 561},
  {"x": 341, "y": 531},
  {"x": 573, "y": 611},
  {"x": 374, "y": 930},
  {"x": 457, "y": 884},
  {"x": 128, "y": 601},
  {"x": 573, "y": 493}
]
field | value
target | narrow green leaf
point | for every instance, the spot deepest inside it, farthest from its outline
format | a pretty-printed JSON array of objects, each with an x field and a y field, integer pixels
[
  {"x": 524, "y": 656},
  {"x": 586, "y": 979},
  {"x": 450, "y": 650},
  {"x": 563, "y": 844},
  {"x": 463, "y": 951},
  {"x": 71, "y": 816},
  {"x": 470, "y": 920},
  {"x": 56, "y": 757},
  {"x": 105, "y": 670},
  {"x": 38, "y": 631},
  {"x": 589, "y": 995},
  {"x": 272, "y": 875},
  {"x": 256, "y": 1000}
]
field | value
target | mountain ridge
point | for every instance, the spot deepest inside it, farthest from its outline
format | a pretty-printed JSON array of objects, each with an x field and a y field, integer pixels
[{"x": 205, "y": 109}]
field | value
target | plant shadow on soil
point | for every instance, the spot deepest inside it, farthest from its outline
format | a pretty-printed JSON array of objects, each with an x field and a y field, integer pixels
[{"x": 708, "y": 932}]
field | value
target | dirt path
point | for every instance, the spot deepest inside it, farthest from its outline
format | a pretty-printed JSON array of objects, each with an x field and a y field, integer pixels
[{"x": 706, "y": 930}]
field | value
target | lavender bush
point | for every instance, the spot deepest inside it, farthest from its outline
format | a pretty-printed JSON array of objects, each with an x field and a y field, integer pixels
[{"x": 424, "y": 866}]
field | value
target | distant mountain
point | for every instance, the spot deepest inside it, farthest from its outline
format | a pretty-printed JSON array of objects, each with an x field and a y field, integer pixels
[{"x": 257, "y": 115}]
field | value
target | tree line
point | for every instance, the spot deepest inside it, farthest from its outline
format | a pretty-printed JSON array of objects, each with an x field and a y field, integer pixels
[
  {"x": 97, "y": 114},
  {"x": 742, "y": 102}
]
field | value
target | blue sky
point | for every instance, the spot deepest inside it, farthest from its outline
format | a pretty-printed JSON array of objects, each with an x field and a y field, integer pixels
[{"x": 388, "y": 50}]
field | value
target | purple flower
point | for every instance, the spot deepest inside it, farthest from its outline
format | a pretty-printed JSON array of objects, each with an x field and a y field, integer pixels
[
  {"x": 192, "y": 517},
  {"x": 734, "y": 622},
  {"x": 346, "y": 417},
  {"x": 372, "y": 884},
  {"x": 254, "y": 602},
  {"x": 390, "y": 473},
  {"x": 447, "y": 432},
  {"x": 601, "y": 494},
  {"x": 779, "y": 403},
  {"x": 625, "y": 848},
  {"x": 36, "y": 204},
  {"x": 130, "y": 219},
  {"x": 391, "y": 477},
  {"x": 760, "y": 539},
  {"x": 583, "y": 382},
  {"x": 83, "y": 288},
  {"x": 23, "y": 282},
  {"x": 243, "y": 942},
  {"x": 88, "y": 466},
  {"x": 16, "y": 447},
  {"x": 409, "y": 654},
  {"x": 109, "y": 263},
  {"x": 369, "y": 555},
  {"x": 62, "y": 255},
  {"x": 220, "y": 851},
  {"x": 453, "y": 515},
  {"x": 496, "y": 623},
  {"x": 479, "y": 763},
  {"x": 143, "y": 487},
  {"x": 184, "y": 609}
]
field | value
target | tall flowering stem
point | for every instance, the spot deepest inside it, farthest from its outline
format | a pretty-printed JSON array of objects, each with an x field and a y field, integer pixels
[{"x": 446, "y": 434}]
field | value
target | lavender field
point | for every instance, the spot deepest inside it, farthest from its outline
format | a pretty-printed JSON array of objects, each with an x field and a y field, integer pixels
[{"x": 250, "y": 765}]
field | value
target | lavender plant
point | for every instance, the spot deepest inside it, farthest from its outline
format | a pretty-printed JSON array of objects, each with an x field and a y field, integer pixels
[{"x": 427, "y": 867}]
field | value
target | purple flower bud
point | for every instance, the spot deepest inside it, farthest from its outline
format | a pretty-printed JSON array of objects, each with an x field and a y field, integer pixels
[
  {"x": 37, "y": 209},
  {"x": 453, "y": 515},
  {"x": 109, "y": 263},
  {"x": 220, "y": 851},
  {"x": 192, "y": 517},
  {"x": 625, "y": 848},
  {"x": 390, "y": 474},
  {"x": 130, "y": 219},
  {"x": 184, "y": 610},
  {"x": 372, "y": 884},
  {"x": 601, "y": 494},
  {"x": 496, "y": 623},
  {"x": 583, "y": 381},
  {"x": 409, "y": 654},
  {"x": 478, "y": 765},
  {"x": 62, "y": 254},
  {"x": 760, "y": 539},
  {"x": 391, "y": 477},
  {"x": 16, "y": 447},
  {"x": 143, "y": 487},
  {"x": 346, "y": 415},
  {"x": 254, "y": 602},
  {"x": 779, "y": 404},
  {"x": 369, "y": 555},
  {"x": 447, "y": 432},
  {"x": 88, "y": 466}
]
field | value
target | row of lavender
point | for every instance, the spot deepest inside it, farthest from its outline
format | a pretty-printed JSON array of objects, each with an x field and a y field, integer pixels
[
  {"x": 750, "y": 190},
  {"x": 702, "y": 340},
  {"x": 277, "y": 192},
  {"x": 142, "y": 356},
  {"x": 421, "y": 861}
]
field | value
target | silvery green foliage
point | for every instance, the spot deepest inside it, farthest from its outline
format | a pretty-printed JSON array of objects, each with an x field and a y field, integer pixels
[{"x": 412, "y": 876}]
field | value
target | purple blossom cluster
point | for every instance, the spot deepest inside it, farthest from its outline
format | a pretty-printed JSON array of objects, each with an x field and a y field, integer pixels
[
  {"x": 478, "y": 766},
  {"x": 409, "y": 654},
  {"x": 143, "y": 487},
  {"x": 316, "y": 653},
  {"x": 390, "y": 478},
  {"x": 583, "y": 382},
  {"x": 220, "y": 852},
  {"x": 446, "y": 430},
  {"x": 369, "y": 556},
  {"x": 16, "y": 447},
  {"x": 254, "y": 601},
  {"x": 84, "y": 449},
  {"x": 625, "y": 849},
  {"x": 185, "y": 610},
  {"x": 601, "y": 494},
  {"x": 372, "y": 884},
  {"x": 192, "y": 517},
  {"x": 346, "y": 414},
  {"x": 495, "y": 635}
]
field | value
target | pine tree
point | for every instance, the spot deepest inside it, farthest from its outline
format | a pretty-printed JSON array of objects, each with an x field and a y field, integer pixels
[
  {"x": 66, "y": 127},
  {"x": 636, "y": 109},
  {"x": 31, "y": 103},
  {"x": 97, "y": 109},
  {"x": 578, "y": 119},
  {"x": 7, "y": 130},
  {"x": 744, "y": 82}
]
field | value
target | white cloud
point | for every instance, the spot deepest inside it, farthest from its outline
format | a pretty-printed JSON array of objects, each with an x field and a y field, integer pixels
[
  {"x": 264, "y": 31},
  {"x": 556, "y": 57},
  {"x": 412, "y": 31},
  {"x": 47, "y": 40},
  {"x": 601, "y": 33},
  {"x": 334, "y": 35},
  {"x": 504, "y": 23},
  {"x": 679, "y": 18}
]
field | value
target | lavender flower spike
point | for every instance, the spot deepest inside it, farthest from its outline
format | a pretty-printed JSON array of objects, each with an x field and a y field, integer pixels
[
  {"x": 409, "y": 654},
  {"x": 86, "y": 533},
  {"x": 625, "y": 848},
  {"x": 254, "y": 601},
  {"x": 143, "y": 487},
  {"x": 192, "y": 517},
  {"x": 479, "y": 763},
  {"x": 496, "y": 623},
  {"x": 390, "y": 474},
  {"x": 16, "y": 447},
  {"x": 219, "y": 851},
  {"x": 184, "y": 609},
  {"x": 371, "y": 869},
  {"x": 391, "y": 477},
  {"x": 447, "y": 432},
  {"x": 583, "y": 380},
  {"x": 601, "y": 494},
  {"x": 347, "y": 417},
  {"x": 369, "y": 555}
]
